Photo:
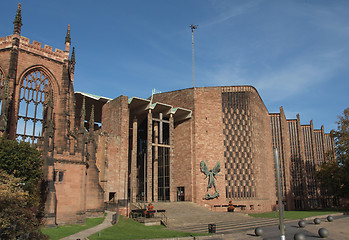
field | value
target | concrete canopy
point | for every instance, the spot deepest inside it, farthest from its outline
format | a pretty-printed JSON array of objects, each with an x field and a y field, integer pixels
[
  {"x": 140, "y": 106},
  {"x": 90, "y": 99}
]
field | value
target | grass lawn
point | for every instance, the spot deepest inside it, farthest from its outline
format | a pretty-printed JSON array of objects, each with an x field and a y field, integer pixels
[
  {"x": 130, "y": 229},
  {"x": 294, "y": 214},
  {"x": 66, "y": 230}
]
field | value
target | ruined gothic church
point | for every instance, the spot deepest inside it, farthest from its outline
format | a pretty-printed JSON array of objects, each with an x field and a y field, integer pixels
[{"x": 206, "y": 145}]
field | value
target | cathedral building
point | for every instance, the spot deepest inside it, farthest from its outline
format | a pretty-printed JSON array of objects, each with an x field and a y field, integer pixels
[{"x": 206, "y": 145}]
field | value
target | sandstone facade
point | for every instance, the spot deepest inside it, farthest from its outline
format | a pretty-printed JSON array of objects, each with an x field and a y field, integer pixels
[{"x": 102, "y": 152}]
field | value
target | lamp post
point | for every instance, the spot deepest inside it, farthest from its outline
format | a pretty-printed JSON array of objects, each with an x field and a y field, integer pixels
[
  {"x": 192, "y": 27},
  {"x": 281, "y": 209}
]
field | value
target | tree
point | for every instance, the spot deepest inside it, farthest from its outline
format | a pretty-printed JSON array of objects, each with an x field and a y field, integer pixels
[
  {"x": 334, "y": 174},
  {"x": 22, "y": 190},
  {"x": 17, "y": 218},
  {"x": 23, "y": 161}
]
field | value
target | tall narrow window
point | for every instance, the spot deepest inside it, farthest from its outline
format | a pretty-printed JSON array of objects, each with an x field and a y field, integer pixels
[
  {"x": 164, "y": 174},
  {"x": 2, "y": 87},
  {"x": 34, "y": 95}
]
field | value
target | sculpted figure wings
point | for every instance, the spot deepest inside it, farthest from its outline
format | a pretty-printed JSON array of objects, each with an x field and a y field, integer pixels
[{"x": 210, "y": 174}]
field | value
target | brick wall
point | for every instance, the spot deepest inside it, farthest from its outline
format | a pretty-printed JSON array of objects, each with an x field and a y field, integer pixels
[
  {"x": 201, "y": 139},
  {"x": 184, "y": 171},
  {"x": 208, "y": 142}
]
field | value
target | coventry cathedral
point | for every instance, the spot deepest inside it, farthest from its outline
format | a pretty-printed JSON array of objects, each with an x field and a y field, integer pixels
[{"x": 206, "y": 145}]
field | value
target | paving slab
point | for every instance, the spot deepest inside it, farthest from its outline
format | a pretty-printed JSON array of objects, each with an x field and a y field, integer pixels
[{"x": 338, "y": 229}]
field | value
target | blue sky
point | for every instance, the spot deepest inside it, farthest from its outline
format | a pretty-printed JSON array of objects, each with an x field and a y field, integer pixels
[{"x": 295, "y": 52}]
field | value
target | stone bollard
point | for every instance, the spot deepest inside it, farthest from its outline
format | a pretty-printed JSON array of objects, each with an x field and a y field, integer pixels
[
  {"x": 259, "y": 231},
  {"x": 323, "y": 232},
  {"x": 317, "y": 220},
  {"x": 299, "y": 236},
  {"x": 301, "y": 224},
  {"x": 330, "y": 218}
]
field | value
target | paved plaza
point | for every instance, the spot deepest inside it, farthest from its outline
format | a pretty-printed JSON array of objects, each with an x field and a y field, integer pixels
[
  {"x": 190, "y": 217},
  {"x": 338, "y": 230}
]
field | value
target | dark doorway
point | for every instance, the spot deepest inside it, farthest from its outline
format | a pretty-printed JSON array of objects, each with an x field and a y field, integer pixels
[
  {"x": 112, "y": 197},
  {"x": 180, "y": 194}
]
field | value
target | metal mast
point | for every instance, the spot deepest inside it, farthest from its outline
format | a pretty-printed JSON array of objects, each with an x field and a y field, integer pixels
[
  {"x": 280, "y": 203},
  {"x": 193, "y": 58}
]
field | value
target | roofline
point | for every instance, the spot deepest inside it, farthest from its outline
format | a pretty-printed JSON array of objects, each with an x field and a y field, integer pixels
[{"x": 93, "y": 96}]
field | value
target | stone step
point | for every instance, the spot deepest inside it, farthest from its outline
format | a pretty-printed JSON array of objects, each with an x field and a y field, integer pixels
[
  {"x": 180, "y": 214},
  {"x": 233, "y": 226},
  {"x": 190, "y": 217}
]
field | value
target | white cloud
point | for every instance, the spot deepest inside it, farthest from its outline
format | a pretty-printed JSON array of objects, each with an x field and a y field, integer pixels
[
  {"x": 301, "y": 73},
  {"x": 222, "y": 75},
  {"x": 229, "y": 10},
  {"x": 279, "y": 81}
]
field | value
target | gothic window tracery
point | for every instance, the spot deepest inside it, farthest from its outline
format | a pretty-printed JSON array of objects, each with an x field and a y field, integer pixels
[{"x": 34, "y": 94}]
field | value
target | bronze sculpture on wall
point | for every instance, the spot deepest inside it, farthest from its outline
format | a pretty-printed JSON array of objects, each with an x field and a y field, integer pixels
[{"x": 211, "y": 179}]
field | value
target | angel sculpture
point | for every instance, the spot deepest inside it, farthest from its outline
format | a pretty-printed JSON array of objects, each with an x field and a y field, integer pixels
[{"x": 211, "y": 178}]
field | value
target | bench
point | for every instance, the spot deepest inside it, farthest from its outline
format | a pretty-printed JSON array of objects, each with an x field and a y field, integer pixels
[
  {"x": 136, "y": 213},
  {"x": 216, "y": 206},
  {"x": 219, "y": 206},
  {"x": 242, "y": 207}
]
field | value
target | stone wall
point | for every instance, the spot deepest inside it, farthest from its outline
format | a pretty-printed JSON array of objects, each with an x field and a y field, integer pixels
[
  {"x": 113, "y": 146},
  {"x": 71, "y": 195}
]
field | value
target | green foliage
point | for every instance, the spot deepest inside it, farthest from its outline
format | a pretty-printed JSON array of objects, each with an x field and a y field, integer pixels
[
  {"x": 17, "y": 218},
  {"x": 67, "y": 230},
  {"x": 22, "y": 189},
  {"x": 333, "y": 175},
  {"x": 23, "y": 161},
  {"x": 293, "y": 214},
  {"x": 341, "y": 137},
  {"x": 130, "y": 229}
]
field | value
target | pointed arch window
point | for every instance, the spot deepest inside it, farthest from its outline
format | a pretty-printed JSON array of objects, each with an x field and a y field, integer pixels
[{"x": 34, "y": 95}]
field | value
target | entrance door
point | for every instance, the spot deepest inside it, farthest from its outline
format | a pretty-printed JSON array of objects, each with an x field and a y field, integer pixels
[{"x": 180, "y": 194}]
